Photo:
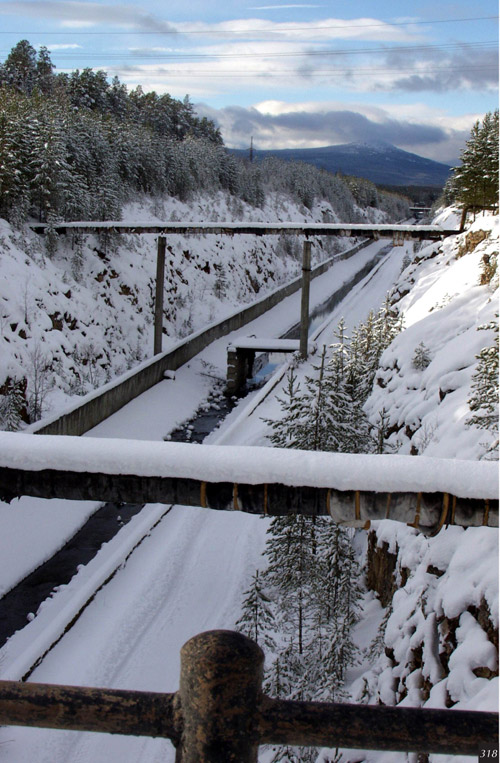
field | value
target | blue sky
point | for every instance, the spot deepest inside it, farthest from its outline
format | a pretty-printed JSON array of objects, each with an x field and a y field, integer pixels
[{"x": 296, "y": 74}]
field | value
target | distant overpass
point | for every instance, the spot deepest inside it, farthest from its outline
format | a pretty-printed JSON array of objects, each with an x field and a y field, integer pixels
[{"x": 397, "y": 233}]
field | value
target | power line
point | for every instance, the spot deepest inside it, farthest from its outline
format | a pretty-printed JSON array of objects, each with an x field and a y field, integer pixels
[
  {"x": 247, "y": 73},
  {"x": 297, "y": 54},
  {"x": 270, "y": 30}
]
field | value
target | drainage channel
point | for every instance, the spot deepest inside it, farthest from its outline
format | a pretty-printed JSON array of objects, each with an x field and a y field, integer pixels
[
  {"x": 22, "y": 601},
  {"x": 218, "y": 405}
]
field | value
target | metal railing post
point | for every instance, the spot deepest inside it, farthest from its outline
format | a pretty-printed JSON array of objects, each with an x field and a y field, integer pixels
[{"x": 219, "y": 695}]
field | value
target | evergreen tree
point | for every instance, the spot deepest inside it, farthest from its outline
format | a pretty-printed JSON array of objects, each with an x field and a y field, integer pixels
[
  {"x": 484, "y": 399},
  {"x": 20, "y": 69},
  {"x": 421, "y": 357},
  {"x": 44, "y": 78},
  {"x": 475, "y": 181},
  {"x": 12, "y": 406},
  {"x": 257, "y": 619}
]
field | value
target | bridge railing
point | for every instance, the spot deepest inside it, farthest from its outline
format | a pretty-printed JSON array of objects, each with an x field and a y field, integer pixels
[
  {"x": 351, "y": 488},
  {"x": 220, "y": 714}
]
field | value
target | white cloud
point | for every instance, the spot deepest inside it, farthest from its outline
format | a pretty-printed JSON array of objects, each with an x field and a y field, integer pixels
[
  {"x": 323, "y": 29},
  {"x": 277, "y": 124},
  {"x": 61, "y": 46},
  {"x": 73, "y": 13}
]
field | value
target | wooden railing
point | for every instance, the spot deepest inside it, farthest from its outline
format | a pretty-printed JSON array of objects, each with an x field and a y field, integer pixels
[{"x": 219, "y": 714}]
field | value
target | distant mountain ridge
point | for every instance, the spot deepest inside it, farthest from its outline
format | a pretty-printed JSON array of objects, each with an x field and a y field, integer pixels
[{"x": 380, "y": 162}]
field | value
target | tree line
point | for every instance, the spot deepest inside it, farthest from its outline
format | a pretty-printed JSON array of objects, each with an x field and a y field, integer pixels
[{"x": 78, "y": 147}]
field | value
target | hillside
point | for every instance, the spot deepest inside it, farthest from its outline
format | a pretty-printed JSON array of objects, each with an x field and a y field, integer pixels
[
  {"x": 382, "y": 163},
  {"x": 448, "y": 296},
  {"x": 82, "y": 315}
]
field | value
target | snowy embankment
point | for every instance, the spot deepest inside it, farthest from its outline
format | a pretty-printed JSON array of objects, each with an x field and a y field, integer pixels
[
  {"x": 438, "y": 639},
  {"x": 81, "y": 317},
  {"x": 424, "y": 379},
  {"x": 27, "y": 538}
]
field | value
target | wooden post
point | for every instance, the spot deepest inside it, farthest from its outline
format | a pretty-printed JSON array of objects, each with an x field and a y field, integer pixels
[
  {"x": 160, "y": 279},
  {"x": 304, "y": 305},
  {"x": 219, "y": 696}
]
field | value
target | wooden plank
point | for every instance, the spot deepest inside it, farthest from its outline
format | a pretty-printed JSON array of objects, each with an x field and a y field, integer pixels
[
  {"x": 80, "y": 708},
  {"x": 375, "y": 727}
]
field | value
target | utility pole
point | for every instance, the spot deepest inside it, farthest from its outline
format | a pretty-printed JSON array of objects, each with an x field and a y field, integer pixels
[
  {"x": 160, "y": 279},
  {"x": 251, "y": 150},
  {"x": 304, "y": 305}
]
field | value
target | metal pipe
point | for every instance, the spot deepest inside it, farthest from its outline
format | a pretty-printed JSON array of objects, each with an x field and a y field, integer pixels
[
  {"x": 160, "y": 280},
  {"x": 304, "y": 302}
]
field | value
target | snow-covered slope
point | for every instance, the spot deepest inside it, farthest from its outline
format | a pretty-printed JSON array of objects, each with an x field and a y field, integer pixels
[
  {"x": 424, "y": 380},
  {"x": 438, "y": 641},
  {"x": 73, "y": 321}
]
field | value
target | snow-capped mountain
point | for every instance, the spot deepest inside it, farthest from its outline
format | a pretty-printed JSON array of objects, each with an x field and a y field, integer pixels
[{"x": 377, "y": 161}]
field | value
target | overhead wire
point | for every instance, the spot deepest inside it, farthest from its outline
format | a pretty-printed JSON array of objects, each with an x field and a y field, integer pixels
[
  {"x": 295, "y": 54},
  {"x": 262, "y": 30},
  {"x": 293, "y": 72}
]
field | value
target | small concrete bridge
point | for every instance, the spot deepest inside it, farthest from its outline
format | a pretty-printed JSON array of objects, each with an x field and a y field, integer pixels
[{"x": 241, "y": 357}]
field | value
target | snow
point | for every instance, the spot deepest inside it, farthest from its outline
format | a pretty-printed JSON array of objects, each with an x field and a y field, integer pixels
[
  {"x": 186, "y": 577},
  {"x": 34, "y": 529},
  {"x": 189, "y": 574},
  {"x": 416, "y": 629},
  {"x": 442, "y": 311},
  {"x": 149, "y": 417},
  {"x": 249, "y": 465}
]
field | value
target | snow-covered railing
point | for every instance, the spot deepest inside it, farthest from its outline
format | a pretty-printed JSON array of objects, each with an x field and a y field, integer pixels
[
  {"x": 368, "y": 230},
  {"x": 220, "y": 714},
  {"x": 352, "y": 489}
]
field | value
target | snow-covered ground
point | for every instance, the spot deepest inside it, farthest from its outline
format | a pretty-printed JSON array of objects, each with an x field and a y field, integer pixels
[
  {"x": 189, "y": 573},
  {"x": 443, "y": 304},
  {"x": 81, "y": 317},
  {"x": 151, "y": 417}
]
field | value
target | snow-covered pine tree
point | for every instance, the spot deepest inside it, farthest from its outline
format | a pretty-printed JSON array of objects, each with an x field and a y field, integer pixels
[
  {"x": 12, "y": 404},
  {"x": 421, "y": 357},
  {"x": 284, "y": 428},
  {"x": 484, "y": 399},
  {"x": 475, "y": 182},
  {"x": 257, "y": 618},
  {"x": 291, "y": 565},
  {"x": 336, "y": 610}
]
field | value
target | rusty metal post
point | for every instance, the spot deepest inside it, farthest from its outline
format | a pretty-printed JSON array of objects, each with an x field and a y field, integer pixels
[
  {"x": 219, "y": 695},
  {"x": 304, "y": 304},
  {"x": 160, "y": 279}
]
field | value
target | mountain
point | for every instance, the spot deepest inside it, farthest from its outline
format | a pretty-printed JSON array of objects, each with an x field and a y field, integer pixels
[{"x": 379, "y": 162}]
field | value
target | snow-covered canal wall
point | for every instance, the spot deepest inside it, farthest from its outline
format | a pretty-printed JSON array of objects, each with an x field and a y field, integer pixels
[{"x": 98, "y": 405}]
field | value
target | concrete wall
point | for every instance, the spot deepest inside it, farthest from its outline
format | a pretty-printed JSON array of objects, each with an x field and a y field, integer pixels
[{"x": 98, "y": 405}]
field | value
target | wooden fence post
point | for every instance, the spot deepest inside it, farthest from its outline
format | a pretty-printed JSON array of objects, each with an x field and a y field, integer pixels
[
  {"x": 160, "y": 279},
  {"x": 219, "y": 695},
  {"x": 304, "y": 304}
]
